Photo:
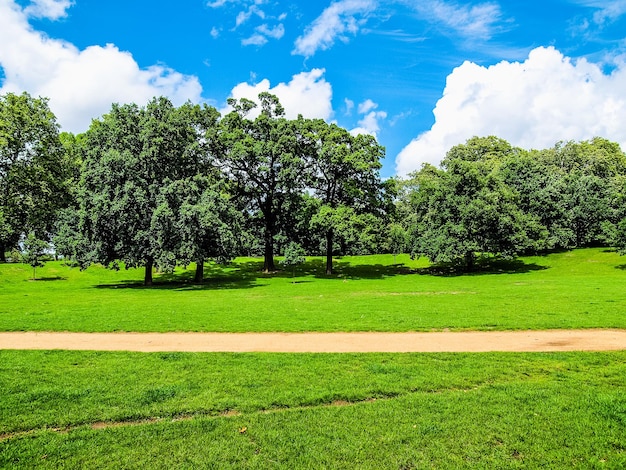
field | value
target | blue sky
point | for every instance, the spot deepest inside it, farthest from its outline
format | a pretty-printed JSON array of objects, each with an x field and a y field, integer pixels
[{"x": 420, "y": 75}]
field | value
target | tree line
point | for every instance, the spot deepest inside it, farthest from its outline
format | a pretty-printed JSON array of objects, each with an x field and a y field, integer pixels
[
  {"x": 489, "y": 197},
  {"x": 160, "y": 186}
]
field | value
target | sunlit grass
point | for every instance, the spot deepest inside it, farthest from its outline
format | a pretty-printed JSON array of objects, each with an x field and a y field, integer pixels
[
  {"x": 579, "y": 289},
  {"x": 133, "y": 410}
]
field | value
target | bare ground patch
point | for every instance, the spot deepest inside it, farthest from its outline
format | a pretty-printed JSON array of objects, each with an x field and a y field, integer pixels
[{"x": 439, "y": 341}]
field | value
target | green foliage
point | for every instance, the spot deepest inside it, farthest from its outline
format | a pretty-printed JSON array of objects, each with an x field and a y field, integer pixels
[
  {"x": 33, "y": 170},
  {"x": 294, "y": 256},
  {"x": 262, "y": 158},
  {"x": 574, "y": 190},
  {"x": 490, "y": 197},
  {"x": 345, "y": 179},
  {"x": 132, "y": 154},
  {"x": 396, "y": 239},
  {"x": 194, "y": 220},
  {"x": 33, "y": 252},
  {"x": 466, "y": 209}
]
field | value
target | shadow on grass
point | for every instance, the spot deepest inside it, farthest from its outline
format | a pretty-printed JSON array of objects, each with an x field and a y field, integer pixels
[
  {"x": 249, "y": 274},
  {"x": 482, "y": 267},
  {"x": 621, "y": 267},
  {"x": 55, "y": 278}
]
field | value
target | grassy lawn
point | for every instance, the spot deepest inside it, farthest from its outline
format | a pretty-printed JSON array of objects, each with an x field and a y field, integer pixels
[
  {"x": 580, "y": 289},
  {"x": 183, "y": 410},
  {"x": 70, "y": 409}
]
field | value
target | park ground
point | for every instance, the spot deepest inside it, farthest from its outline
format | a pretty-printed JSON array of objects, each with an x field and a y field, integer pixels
[{"x": 171, "y": 409}]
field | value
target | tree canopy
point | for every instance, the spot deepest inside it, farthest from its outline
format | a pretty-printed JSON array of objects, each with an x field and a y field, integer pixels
[
  {"x": 34, "y": 172},
  {"x": 160, "y": 186}
]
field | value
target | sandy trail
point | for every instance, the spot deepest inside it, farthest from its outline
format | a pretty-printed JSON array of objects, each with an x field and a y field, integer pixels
[{"x": 469, "y": 341}]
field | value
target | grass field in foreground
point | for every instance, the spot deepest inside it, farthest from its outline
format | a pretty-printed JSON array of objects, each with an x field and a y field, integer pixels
[
  {"x": 183, "y": 410},
  {"x": 579, "y": 289}
]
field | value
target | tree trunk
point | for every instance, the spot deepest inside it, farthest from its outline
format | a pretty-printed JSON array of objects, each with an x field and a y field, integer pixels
[
  {"x": 3, "y": 258},
  {"x": 268, "y": 257},
  {"x": 329, "y": 252},
  {"x": 268, "y": 254},
  {"x": 147, "y": 280},
  {"x": 199, "y": 277},
  {"x": 469, "y": 261}
]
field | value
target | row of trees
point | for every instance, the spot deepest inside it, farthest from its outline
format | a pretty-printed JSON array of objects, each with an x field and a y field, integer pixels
[
  {"x": 489, "y": 197},
  {"x": 160, "y": 186}
]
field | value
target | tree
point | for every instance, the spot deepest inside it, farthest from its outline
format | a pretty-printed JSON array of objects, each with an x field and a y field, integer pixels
[
  {"x": 33, "y": 172},
  {"x": 464, "y": 209},
  {"x": 344, "y": 177},
  {"x": 33, "y": 251},
  {"x": 541, "y": 191},
  {"x": 261, "y": 157},
  {"x": 130, "y": 153},
  {"x": 396, "y": 239},
  {"x": 294, "y": 256},
  {"x": 195, "y": 220},
  {"x": 574, "y": 189}
]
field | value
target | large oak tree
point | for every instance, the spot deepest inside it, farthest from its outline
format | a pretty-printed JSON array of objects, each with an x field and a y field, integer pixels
[
  {"x": 131, "y": 154},
  {"x": 261, "y": 156},
  {"x": 34, "y": 172}
]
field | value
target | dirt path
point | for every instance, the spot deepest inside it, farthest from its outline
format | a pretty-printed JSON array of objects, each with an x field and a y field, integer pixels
[{"x": 470, "y": 341}]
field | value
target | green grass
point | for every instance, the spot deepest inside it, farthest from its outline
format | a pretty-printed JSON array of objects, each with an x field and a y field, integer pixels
[
  {"x": 169, "y": 410},
  {"x": 70, "y": 409},
  {"x": 580, "y": 289}
]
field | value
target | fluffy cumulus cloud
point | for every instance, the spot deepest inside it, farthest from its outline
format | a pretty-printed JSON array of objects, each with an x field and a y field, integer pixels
[
  {"x": 81, "y": 84},
  {"x": 308, "y": 93},
  {"x": 336, "y": 22},
  {"x": 532, "y": 104},
  {"x": 370, "y": 121}
]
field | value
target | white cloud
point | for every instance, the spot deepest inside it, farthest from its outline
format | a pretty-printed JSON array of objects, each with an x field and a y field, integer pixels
[
  {"x": 263, "y": 32},
  {"x": 369, "y": 124},
  {"x": 346, "y": 17},
  {"x": 308, "y": 93},
  {"x": 50, "y": 9},
  {"x": 244, "y": 16},
  {"x": 254, "y": 40},
  {"x": 607, "y": 10},
  {"x": 471, "y": 21},
  {"x": 220, "y": 3},
  {"x": 276, "y": 32},
  {"x": 349, "y": 106},
  {"x": 611, "y": 12},
  {"x": 337, "y": 20},
  {"x": 533, "y": 104},
  {"x": 215, "y": 33},
  {"x": 367, "y": 106},
  {"x": 81, "y": 84}
]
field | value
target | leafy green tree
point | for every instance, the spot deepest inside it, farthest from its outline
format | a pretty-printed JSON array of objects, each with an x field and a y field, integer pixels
[
  {"x": 33, "y": 252},
  {"x": 465, "y": 209},
  {"x": 574, "y": 189},
  {"x": 33, "y": 171},
  {"x": 195, "y": 220},
  {"x": 130, "y": 153},
  {"x": 396, "y": 239},
  {"x": 294, "y": 257},
  {"x": 344, "y": 177},
  {"x": 262, "y": 158},
  {"x": 541, "y": 191}
]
